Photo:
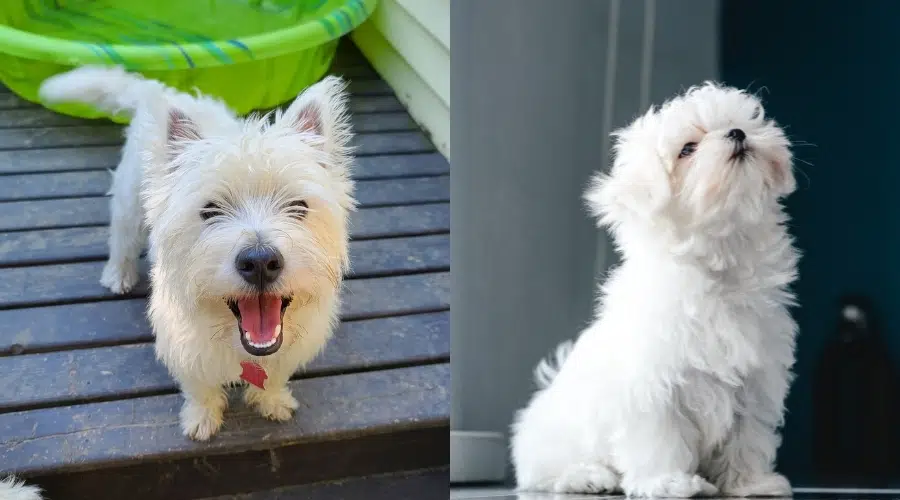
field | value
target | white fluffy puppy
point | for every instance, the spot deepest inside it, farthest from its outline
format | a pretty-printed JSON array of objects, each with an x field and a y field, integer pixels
[
  {"x": 678, "y": 386},
  {"x": 248, "y": 233}
]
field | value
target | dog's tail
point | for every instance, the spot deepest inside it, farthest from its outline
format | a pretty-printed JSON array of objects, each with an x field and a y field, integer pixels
[
  {"x": 548, "y": 368},
  {"x": 110, "y": 89},
  {"x": 13, "y": 489}
]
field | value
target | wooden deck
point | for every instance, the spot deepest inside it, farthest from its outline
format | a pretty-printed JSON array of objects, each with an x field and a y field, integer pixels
[{"x": 87, "y": 412}]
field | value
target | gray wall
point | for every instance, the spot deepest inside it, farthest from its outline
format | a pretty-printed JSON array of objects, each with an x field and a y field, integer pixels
[{"x": 535, "y": 92}]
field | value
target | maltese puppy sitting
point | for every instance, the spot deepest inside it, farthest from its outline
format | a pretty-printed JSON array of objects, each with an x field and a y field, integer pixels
[
  {"x": 677, "y": 388},
  {"x": 248, "y": 238}
]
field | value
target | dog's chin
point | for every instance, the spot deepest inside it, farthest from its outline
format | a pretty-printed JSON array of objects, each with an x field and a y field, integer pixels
[{"x": 260, "y": 320}]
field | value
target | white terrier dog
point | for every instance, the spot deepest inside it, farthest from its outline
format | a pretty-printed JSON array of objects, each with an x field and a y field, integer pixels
[
  {"x": 248, "y": 233},
  {"x": 678, "y": 386}
]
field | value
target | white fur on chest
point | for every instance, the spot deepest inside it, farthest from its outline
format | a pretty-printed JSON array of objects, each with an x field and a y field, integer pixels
[{"x": 664, "y": 321}]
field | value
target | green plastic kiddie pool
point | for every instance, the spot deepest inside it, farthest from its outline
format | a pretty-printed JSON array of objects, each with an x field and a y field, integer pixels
[{"x": 253, "y": 54}]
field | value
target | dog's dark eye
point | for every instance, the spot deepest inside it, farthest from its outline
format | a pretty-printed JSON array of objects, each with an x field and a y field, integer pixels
[
  {"x": 298, "y": 209},
  {"x": 756, "y": 111},
  {"x": 211, "y": 210},
  {"x": 688, "y": 149}
]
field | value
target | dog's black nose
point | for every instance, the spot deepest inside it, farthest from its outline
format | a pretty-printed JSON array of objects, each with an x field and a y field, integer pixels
[
  {"x": 259, "y": 265},
  {"x": 736, "y": 135}
]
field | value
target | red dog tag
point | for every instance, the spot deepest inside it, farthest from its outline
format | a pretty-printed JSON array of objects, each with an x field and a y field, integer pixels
[{"x": 254, "y": 374}]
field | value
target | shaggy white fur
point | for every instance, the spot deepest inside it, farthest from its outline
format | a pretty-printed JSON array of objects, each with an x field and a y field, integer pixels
[
  {"x": 677, "y": 388},
  {"x": 247, "y": 222},
  {"x": 13, "y": 489}
]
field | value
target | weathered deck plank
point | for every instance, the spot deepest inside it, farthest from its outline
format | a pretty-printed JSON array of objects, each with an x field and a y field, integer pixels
[
  {"x": 148, "y": 427},
  {"x": 96, "y": 183},
  {"x": 28, "y": 247},
  {"x": 119, "y": 372},
  {"x": 363, "y": 108},
  {"x": 75, "y": 212},
  {"x": 28, "y": 133},
  {"x": 382, "y": 450},
  {"x": 369, "y": 86},
  {"x": 415, "y": 485},
  {"x": 105, "y": 158},
  {"x": 117, "y": 322},
  {"x": 39, "y": 285},
  {"x": 78, "y": 157},
  {"x": 357, "y": 86}
]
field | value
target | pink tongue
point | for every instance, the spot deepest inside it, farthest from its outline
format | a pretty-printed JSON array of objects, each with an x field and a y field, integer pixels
[{"x": 260, "y": 316}]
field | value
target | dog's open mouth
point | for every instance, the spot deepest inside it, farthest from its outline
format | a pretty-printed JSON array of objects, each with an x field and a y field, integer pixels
[{"x": 260, "y": 319}]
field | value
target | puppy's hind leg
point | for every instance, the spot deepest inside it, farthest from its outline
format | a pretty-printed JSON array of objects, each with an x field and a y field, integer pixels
[{"x": 127, "y": 232}]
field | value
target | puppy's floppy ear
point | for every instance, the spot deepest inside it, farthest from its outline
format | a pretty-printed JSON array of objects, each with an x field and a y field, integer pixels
[
  {"x": 179, "y": 130},
  {"x": 638, "y": 184},
  {"x": 321, "y": 115}
]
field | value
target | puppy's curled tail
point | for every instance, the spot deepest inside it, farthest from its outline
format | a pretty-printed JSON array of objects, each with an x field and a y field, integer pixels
[
  {"x": 548, "y": 368},
  {"x": 110, "y": 89},
  {"x": 13, "y": 489}
]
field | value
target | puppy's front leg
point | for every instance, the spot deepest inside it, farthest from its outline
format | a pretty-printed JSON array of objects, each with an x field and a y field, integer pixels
[
  {"x": 275, "y": 400},
  {"x": 656, "y": 453},
  {"x": 127, "y": 232},
  {"x": 745, "y": 464},
  {"x": 203, "y": 410}
]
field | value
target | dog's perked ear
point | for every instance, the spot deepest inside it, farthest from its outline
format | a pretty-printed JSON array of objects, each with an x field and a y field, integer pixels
[
  {"x": 321, "y": 115},
  {"x": 180, "y": 130},
  {"x": 638, "y": 184}
]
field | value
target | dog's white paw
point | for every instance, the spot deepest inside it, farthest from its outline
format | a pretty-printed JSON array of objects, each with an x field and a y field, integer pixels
[
  {"x": 678, "y": 485},
  {"x": 119, "y": 278},
  {"x": 766, "y": 485},
  {"x": 200, "y": 422},
  {"x": 273, "y": 404},
  {"x": 586, "y": 478}
]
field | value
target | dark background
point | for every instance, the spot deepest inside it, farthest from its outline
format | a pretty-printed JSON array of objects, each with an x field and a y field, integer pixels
[{"x": 830, "y": 70}]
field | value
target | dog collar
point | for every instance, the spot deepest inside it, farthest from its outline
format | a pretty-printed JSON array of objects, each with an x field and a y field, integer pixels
[{"x": 254, "y": 374}]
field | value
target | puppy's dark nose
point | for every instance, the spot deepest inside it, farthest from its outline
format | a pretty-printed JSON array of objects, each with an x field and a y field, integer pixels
[
  {"x": 736, "y": 135},
  {"x": 259, "y": 265}
]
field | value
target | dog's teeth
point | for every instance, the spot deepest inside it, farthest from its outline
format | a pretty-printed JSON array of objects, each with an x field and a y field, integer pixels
[{"x": 270, "y": 343}]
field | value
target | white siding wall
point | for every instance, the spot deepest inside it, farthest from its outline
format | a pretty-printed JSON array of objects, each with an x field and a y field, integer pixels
[{"x": 408, "y": 43}]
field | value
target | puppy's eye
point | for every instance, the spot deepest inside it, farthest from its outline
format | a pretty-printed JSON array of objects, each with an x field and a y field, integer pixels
[
  {"x": 688, "y": 150},
  {"x": 756, "y": 111},
  {"x": 298, "y": 209},
  {"x": 211, "y": 210}
]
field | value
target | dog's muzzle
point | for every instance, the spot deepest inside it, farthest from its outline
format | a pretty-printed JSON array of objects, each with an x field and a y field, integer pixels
[
  {"x": 260, "y": 316},
  {"x": 739, "y": 139}
]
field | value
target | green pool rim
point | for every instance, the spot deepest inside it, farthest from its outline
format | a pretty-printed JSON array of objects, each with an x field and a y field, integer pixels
[{"x": 326, "y": 27}]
